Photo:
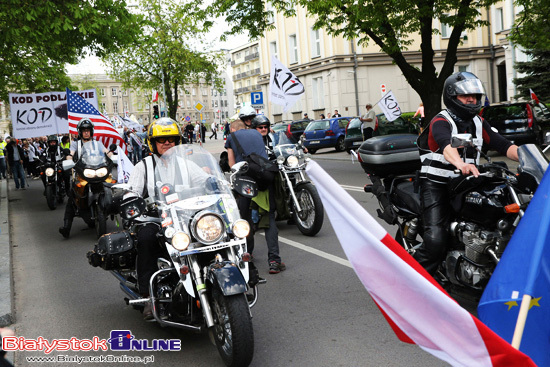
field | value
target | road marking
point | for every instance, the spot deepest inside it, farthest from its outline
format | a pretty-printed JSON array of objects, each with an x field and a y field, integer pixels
[
  {"x": 314, "y": 251},
  {"x": 352, "y": 188}
]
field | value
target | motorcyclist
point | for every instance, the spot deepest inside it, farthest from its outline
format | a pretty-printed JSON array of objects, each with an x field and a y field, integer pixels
[
  {"x": 162, "y": 135},
  {"x": 246, "y": 114},
  {"x": 462, "y": 95},
  {"x": 85, "y": 130},
  {"x": 53, "y": 153}
]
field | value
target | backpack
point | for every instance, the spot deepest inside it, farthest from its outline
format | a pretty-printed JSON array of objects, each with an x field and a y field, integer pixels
[{"x": 260, "y": 169}]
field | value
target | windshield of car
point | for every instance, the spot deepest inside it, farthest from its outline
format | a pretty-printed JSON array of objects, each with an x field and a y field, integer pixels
[
  {"x": 501, "y": 113},
  {"x": 318, "y": 125},
  {"x": 279, "y": 127}
]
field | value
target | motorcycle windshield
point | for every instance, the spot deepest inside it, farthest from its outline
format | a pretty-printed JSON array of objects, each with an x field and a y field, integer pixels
[
  {"x": 532, "y": 161},
  {"x": 92, "y": 155},
  {"x": 190, "y": 178},
  {"x": 283, "y": 145}
]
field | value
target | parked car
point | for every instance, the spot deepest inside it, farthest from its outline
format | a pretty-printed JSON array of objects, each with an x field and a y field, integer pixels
[
  {"x": 354, "y": 137},
  {"x": 520, "y": 122},
  {"x": 326, "y": 133},
  {"x": 292, "y": 128}
]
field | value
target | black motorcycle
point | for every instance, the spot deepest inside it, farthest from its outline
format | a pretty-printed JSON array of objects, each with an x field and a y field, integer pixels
[
  {"x": 51, "y": 171},
  {"x": 486, "y": 211},
  {"x": 91, "y": 186},
  {"x": 301, "y": 199},
  {"x": 203, "y": 278}
]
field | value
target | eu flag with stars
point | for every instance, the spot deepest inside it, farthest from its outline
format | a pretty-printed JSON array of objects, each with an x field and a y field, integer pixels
[{"x": 524, "y": 269}]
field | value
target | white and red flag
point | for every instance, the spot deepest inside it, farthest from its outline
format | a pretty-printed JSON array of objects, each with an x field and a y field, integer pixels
[
  {"x": 155, "y": 96},
  {"x": 534, "y": 96},
  {"x": 78, "y": 108},
  {"x": 418, "y": 310}
]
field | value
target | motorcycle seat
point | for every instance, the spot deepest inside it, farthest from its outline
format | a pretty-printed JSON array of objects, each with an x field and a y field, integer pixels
[{"x": 406, "y": 195}]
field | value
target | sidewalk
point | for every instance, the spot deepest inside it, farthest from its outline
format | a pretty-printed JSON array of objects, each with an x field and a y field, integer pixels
[{"x": 6, "y": 283}]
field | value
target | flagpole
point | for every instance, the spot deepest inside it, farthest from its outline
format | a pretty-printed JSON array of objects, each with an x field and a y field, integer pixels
[{"x": 522, "y": 318}]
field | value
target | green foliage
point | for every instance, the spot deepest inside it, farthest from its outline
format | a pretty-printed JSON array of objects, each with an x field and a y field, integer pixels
[
  {"x": 165, "y": 50},
  {"x": 537, "y": 75},
  {"x": 531, "y": 28},
  {"x": 39, "y": 37},
  {"x": 390, "y": 24}
]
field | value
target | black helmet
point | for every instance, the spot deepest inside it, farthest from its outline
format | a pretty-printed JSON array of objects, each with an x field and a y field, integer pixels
[
  {"x": 458, "y": 84},
  {"x": 85, "y": 123},
  {"x": 260, "y": 120},
  {"x": 52, "y": 138}
]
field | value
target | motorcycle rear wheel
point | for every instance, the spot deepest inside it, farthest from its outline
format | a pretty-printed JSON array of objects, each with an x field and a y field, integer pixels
[
  {"x": 232, "y": 331},
  {"x": 310, "y": 220},
  {"x": 50, "y": 197},
  {"x": 100, "y": 222}
]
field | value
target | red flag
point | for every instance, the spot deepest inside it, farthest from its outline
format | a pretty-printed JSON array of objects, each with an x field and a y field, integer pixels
[
  {"x": 155, "y": 96},
  {"x": 534, "y": 96},
  {"x": 417, "y": 308},
  {"x": 78, "y": 108}
]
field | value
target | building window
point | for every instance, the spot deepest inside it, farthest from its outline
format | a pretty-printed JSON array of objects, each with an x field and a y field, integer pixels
[
  {"x": 147, "y": 106},
  {"x": 125, "y": 104},
  {"x": 318, "y": 93},
  {"x": 273, "y": 49},
  {"x": 293, "y": 48},
  {"x": 115, "y": 107},
  {"x": 102, "y": 92},
  {"x": 499, "y": 20},
  {"x": 216, "y": 103},
  {"x": 204, "y": 92},
  {"x": 315, "y": 43},
  {"x": 125, "y": 92},
  {"x": 463, "y": 68},
  {"x": 194, "y": 92},
  {"x": 246, "y": 52},
  {"x": 103, "y": 106},
  {"x": 445, "y": 30},
  {"x": 114, "y": 92},
  {"x": 140, "y": 106},
  {"x": 188, "y": 104}
]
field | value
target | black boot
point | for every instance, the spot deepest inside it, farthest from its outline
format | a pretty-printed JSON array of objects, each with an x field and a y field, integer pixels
[{"x": 66, "y": 229}]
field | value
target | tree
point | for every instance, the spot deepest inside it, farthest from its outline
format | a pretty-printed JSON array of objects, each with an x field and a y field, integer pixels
[
  {"x": 164, "y": 52},
  {"x": 389, "y": 23},
  {"x": 531, "y": 26},
  {"x": 39, "y": 37},
  {"x": 537, "y": 72}
]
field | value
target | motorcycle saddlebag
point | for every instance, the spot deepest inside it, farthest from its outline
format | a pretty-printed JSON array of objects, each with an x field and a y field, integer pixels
[
  {"x": 390, "y": 155},
  {"x": 114, "y": 251}
]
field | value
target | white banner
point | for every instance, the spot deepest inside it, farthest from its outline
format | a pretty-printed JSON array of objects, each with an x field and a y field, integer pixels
[
  {"x": 124, "y": 168},
  {"x": 284, "y": 87},
  {"x": 41, "y": 114},
  {"x": 389, "y": 105}
]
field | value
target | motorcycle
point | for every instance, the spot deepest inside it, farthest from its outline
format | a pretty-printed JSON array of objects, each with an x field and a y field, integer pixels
[
  {"x": 486, "y": 211},
  {"x": 52, "y": 170},
  {"x": 202, "y": 282},
  {"x": 301, "y": 197},
  {"x": 91, "y": 186}
]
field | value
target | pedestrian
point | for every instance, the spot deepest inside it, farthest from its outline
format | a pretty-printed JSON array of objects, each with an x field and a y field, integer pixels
[
  {"x": 197, "y": 130},
  {"x": 226, "y": 131},
  {"x": 203, "y": 132},
  {"x": 214, "y": 128},
  {"x": 2, "y": 158},
  {"x": 420, "y": 111},
  {"x": 336, "y": 114},
  {"x": 189, "y": 132},
  {"x": 368, "y": 122},
  {"x": 323, "y": 116},
  {"x": 328, "y": 115},
  {"x": 15, "y": 159},
  {"x": 305, "y": 116}
]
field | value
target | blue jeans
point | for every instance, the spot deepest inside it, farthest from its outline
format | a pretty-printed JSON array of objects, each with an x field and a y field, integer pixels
[
  {"x": 3, "y": 167},
  {"x": 18, "y": 174}
]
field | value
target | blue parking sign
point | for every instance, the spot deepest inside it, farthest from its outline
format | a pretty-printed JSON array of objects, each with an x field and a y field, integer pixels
[{"x": 257, "y": 98}]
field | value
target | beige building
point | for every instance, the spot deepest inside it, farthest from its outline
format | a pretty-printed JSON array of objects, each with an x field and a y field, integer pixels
[
  {"x": 245, "y": 62},
  {"x": 340, "y": 74}
]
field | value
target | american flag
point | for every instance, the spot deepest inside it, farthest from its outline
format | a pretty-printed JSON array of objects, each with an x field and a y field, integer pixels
[{"x": 78, "y": 108}]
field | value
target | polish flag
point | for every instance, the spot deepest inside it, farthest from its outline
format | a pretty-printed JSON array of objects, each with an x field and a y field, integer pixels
[
  {"x": 534, "y": 96},
  {"x": 418, "y": 310},
  {"x": 155, "y": 96}
]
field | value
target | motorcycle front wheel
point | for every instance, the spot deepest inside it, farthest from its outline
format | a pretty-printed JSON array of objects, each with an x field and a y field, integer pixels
[
  {"x": 310, "y": 220},
  {"x": 232, "y": 331},
  {"x": 100, "y": 222},
  {"x": 50, "y": 197}
]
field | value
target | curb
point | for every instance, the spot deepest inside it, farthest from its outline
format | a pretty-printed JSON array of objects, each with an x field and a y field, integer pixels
[{"x": 6, "y": 282}]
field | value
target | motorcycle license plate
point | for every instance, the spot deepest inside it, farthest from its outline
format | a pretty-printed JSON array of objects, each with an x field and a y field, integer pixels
[{"x": 314, "y": 142}]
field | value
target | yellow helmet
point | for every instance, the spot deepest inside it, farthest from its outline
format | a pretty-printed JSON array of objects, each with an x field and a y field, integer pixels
[{"x": 161, "y": 128}]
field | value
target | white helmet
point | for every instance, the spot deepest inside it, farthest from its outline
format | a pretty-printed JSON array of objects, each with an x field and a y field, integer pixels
[{"x": 247, "y": 112}]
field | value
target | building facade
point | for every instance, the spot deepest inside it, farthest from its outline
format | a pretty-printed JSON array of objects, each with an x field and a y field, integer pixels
[
  {"x": 341, "y": 75},
  {"x": 245, "y": 63}
]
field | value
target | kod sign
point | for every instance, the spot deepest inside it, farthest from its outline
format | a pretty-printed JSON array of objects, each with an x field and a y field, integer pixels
[{"x": 257, "y": 98}]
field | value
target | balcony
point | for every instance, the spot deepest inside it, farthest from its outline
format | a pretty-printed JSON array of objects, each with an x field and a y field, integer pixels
[{"x": 252, "y": 56}]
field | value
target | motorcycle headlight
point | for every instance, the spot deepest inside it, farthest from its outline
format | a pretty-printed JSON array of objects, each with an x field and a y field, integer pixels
[
  {"x": 208, "y": 228},
  {"x": 292, "y": 161},
  {"x": 241, "y": 228},
  {"x": 180, "y": 241},
  {"x": 89, "y": 173},
  {"x": 49, "y": 171},
  {"x": 102, "y": 172},
  {"x": 280, "y": 159}
]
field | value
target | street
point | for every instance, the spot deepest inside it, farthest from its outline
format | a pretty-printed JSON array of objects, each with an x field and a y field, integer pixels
[{"x": 316, "y": 313}]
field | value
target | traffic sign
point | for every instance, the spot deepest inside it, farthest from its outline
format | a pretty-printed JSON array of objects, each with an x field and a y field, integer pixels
[
  {"x": 257, "y": 98},
  {"x": 257, "y": 106},
  {"x": 198, "y": 106},
  {"x": 383, "y": 88},
  {"x": 187, "y": 118}
]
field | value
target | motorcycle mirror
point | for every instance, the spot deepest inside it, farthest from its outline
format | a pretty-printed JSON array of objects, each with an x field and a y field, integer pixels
[
  {"x": 547, "y": 138},
  {"x": 240, "y": 167},
  {"x": 132, "y": 207},
  {"x": 462, "y": 140}
]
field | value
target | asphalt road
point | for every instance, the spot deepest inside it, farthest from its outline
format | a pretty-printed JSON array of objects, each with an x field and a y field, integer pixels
[{"x": 316, "y": 313}]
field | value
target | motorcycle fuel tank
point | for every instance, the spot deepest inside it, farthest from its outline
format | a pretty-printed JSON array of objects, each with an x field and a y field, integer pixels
[{"x": 485, "y": 207}]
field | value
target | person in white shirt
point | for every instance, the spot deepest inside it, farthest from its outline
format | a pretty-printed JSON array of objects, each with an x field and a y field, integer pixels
[{"x": 368, "y": 122}]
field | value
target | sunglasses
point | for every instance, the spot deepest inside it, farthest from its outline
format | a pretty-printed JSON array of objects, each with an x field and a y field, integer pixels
[
  {"x": 163, "y": 140},
  {"x": 261, "y": 127}
]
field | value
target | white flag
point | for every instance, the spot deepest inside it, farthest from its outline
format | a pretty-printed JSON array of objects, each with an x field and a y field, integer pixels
[
  {"x": 125, "y": 167},
  {"x": 285, "y": 88},
  {"x": 389, "y": 105}
]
